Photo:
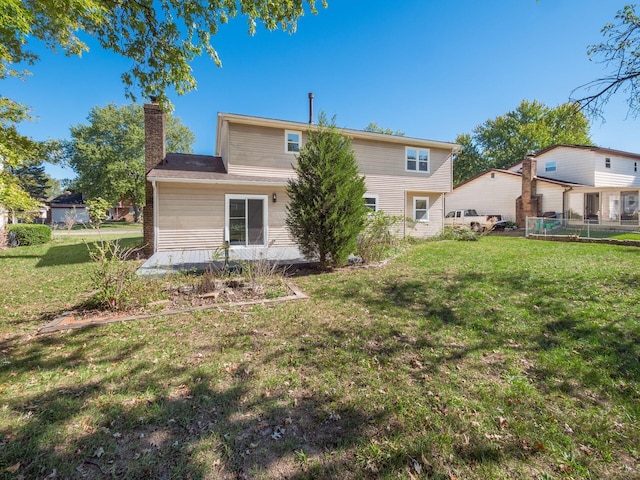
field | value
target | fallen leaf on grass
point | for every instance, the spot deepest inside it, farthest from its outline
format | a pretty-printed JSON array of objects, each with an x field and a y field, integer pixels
[
  {"x": 13, "y": 468},
  {"x": 586, "y": 450},
  {"x": 99, "y": 452}
]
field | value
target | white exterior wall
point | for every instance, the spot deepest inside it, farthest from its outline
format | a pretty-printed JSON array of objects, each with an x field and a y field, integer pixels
[
  {"x": 572, "y": 165},
  {"x": 621, "y": 173},
  {"x": 492, "y": 196},
  {"x": 552, "y": 196},
  {"x": 59, "y": 214}
]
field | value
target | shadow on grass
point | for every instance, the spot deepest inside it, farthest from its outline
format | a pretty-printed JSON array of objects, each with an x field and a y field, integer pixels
[{"x": 136, "y": 419}]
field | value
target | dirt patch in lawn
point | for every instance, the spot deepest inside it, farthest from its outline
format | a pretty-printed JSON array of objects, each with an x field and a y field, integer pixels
[{"x": 180, "y": 300}]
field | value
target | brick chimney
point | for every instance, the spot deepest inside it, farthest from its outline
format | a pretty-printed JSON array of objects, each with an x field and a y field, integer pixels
[
  {"x": 528, "y": 204},
  {"x": 154, "y": 153}
]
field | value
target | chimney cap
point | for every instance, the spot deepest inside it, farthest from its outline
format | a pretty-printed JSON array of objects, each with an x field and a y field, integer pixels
[{"x": 153, "y": 98}]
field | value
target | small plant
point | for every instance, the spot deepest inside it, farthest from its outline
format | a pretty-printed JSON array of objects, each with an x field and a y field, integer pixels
[
  {"x": 3, "y": 239},
  {"x": 377, "y": 238},
  {"x": 458, "y": 233},
  {"x": 98, "y": 208},
  {"x": 70, "y": 218},
  {"x": 30, "y": 234},
  {"x": 115, "y": 280}
]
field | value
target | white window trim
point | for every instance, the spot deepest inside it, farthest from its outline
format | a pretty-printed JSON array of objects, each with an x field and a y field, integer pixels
[
  {"x": 607, "y": 162},
  {"x": 265, "y": 217},
  {"x": 372, "y": 195},
  {"x": 286, "y": 141},
  {"x": 417, "y": 170},
  {"x": 415, "y": 218}
]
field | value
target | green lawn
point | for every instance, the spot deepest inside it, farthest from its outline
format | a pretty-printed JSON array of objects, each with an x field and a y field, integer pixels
[{"x": 502, "y": 358}]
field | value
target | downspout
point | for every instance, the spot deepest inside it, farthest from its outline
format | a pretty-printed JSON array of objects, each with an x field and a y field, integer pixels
[
  {"x": 155, "y": 216},
  {"x": 564, "y": 201},
  {"x": 404, "y": 215}
]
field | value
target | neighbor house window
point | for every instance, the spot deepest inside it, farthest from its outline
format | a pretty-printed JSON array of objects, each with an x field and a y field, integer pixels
[
  {"x": 607, "y": 163},
  {"x": 371, "y": 202},
  {"x": 550, "y": 167},
  {"x": 421, "y": 209},
  {"x": 246, "y": 219},
  {"x": 292, "y": 141},
  {"x": 417, "y": 160},
  {"x": 635, "y": 166}
]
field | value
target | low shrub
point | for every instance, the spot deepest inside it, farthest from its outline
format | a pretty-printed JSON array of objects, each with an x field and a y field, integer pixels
[
  {"x": 377, "y": 238},
  {"x": 117, "y": 285},
  {"x": 30, "y": 234},
  {"x": 458, "y": 233}
]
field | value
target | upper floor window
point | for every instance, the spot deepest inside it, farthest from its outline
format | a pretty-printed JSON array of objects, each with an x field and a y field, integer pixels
[
  {"x": 292, "y": 141},
  {"x": 417, "y": 160},
  {"x": 550, "y": 167},
  {"x": 607, "y": 163},
  {"x": 635, "y": 166},
  {"x": 371, "y": 202}
]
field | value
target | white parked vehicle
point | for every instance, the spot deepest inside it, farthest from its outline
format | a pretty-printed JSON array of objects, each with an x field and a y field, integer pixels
[{"x": 471, "y": 218}]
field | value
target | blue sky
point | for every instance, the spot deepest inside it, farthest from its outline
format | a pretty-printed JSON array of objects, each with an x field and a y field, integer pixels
[{"x": 432, "y": 69}]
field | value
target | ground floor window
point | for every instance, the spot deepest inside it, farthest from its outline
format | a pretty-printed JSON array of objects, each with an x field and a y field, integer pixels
[
  {"x": 246, "y": 219},
  {"x": 421, "y": 209},
  {"x": 371, "y": 202}
]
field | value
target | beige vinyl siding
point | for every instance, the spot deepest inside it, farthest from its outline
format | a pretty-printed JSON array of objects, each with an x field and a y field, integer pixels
[
  {"x": 191, "y": 216},
  {"x": 436, "y": 216},
  {"x": 259, "y": 151},
  {"x": 572, "y": 165},
  {"x": 492, "y": 196},
  {"x": 223, "y": 148},
  {"x": 552, "y": 196}
]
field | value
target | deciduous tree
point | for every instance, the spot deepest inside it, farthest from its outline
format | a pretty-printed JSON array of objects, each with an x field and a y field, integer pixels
[
  {"x": 375, "y": 128},
  {"x": 620, "y": 52},
  {"x": 326, "y": 211},
  {"x": 508, "y": 138},
  {"x": 160, "y": 37},
  {"x": 107, "y": 153}
]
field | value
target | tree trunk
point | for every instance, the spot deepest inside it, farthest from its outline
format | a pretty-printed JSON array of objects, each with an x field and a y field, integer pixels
[{"x": 137, "y": 212}]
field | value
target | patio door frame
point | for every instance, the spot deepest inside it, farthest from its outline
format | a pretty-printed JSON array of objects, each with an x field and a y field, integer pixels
[{"x": 265, "y": 215}]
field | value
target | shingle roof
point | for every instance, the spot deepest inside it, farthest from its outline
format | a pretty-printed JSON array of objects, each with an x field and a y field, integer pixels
[
  {"x": 68, "y": 199},
  {"x": 190, "y": 167}
]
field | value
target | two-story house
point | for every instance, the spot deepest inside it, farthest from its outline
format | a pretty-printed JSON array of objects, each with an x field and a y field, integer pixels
[
  {"x": 582, "y": 183},
  {"x": 197, "y": 202}
]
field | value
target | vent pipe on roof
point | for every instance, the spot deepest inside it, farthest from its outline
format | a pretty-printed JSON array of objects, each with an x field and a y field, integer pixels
[{"x": 310, "y": 108}]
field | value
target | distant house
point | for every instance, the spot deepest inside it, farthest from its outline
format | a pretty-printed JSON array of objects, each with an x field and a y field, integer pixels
[
  {"x": 494, "y": 192},
  {"x": 584, "y": 184},
  {"x": 197, "y": 202},
  {"x": 68, "y": 206}
]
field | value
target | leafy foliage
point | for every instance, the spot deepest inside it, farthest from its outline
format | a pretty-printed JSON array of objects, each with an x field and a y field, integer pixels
[
  {"x": 108, "y": 153},
  {"x": 114, "y": 277},
  {"x": 326, "y": 212},
  {"x": 27, "y": 234},
  {"x": 375, "y": 128},
  {"x": 458, "y": 233},
  {"x": 620, "y": 52},
  {"x": 160, "y": 37},
  {"x": 18, "y": 152},
  {"x": 97, "y": 207},
  {"x": 377, "y": 238},
  {"x": 531, "y": 127}
]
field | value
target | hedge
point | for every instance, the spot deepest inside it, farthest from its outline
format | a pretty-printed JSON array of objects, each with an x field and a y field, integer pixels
[{"x": 29, "y": 234}]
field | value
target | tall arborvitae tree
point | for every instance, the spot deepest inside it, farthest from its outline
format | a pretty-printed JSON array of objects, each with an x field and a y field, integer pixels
[{"x": 326, "y": 211}]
